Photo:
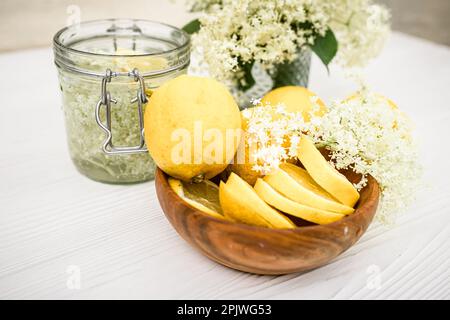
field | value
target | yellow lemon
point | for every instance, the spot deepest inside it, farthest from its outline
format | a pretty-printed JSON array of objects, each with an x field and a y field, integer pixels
[
  {"x": 325, "y": 175},
  {"x": 203, "y": 196},
  {"x": 296, "y": 184},
  {"x": 275, "y": 199},
  {"x": 245, "y": 170},
  {"x": 192, "y": 127},
  {"x": 378, "y": 96},
  {"x": 241, "y": 203},
  {"x": 243, "y": 163},
  {"x": 295, "y": 99}
]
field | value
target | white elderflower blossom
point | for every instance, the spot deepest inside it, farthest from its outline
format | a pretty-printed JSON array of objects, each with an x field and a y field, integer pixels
[
  {"x": 235, "y": 32},
  {"x": 366, "y": 133},
  {"x": 370, "y": 135},
  {"x": 269, "y": 32},
  {"x": 269, "y": 127}
]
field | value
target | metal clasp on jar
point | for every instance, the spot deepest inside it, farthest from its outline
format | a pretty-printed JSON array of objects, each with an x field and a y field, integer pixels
[{"x": 106, "y": 99}]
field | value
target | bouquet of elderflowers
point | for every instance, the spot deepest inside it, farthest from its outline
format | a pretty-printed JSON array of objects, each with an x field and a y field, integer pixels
[
  {"x": 235, "y": 37},
  {"x": 365, "y": 133}
]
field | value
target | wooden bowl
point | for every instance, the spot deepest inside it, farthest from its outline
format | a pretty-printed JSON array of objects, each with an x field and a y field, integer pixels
[{"x": 262, "y": 250}]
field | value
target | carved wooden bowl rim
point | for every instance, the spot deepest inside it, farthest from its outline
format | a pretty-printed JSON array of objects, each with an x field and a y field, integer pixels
[{"x": 267, "y": 251}]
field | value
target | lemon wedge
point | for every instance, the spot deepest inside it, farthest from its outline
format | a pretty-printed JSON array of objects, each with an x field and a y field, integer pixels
[
  {"x": 275, "y": 199},
  {"x": 295, "y": 99},
  {"x": 203, "y": 196},
  {"x": 296, "y": 184},
  {"x": 240, "y": 202},
  {"x": 325, "y": 175}
]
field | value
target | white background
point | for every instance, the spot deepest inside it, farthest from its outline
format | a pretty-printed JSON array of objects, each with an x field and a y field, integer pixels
[{"x": 56, "y": 225}]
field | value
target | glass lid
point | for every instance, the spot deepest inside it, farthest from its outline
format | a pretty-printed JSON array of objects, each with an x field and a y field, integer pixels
[{"x": 91, "y": 46}]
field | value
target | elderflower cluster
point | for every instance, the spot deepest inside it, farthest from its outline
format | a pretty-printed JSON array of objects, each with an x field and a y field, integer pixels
[
  {"x": 361, "y": 28},
  {"x": 236, "y": 32},
  {"x": 366, "y": 133}
]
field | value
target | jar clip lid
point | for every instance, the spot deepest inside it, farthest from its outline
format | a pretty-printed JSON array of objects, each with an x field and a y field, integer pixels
[{"x": 106, "y": 99}]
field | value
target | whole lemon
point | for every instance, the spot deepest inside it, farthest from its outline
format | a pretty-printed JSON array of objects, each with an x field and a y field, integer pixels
[
  {"x": 379, "y": 97},
  {"x": 243, "y": 162},
  {"x": 192, "y": 127},
  {"x": 296, "y": 99}
]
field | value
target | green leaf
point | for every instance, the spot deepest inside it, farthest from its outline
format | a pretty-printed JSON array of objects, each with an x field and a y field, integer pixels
[
  {"x": 192, "y": 27},
  {"x": 325, "y": 47},
  {"x": 247, "y": 80}
]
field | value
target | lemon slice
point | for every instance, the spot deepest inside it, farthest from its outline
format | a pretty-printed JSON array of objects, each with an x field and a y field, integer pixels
[
  {"x": 240, "y": 202},
  {"x": 325, "y": 175},
  {"x": 296, "y": 184},
  {"x": 203, "y": 196},
  {"x": 275, "y": 199}
]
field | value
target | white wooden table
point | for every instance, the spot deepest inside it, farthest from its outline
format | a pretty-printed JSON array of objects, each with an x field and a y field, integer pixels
[{"x": 65, "y": 236}]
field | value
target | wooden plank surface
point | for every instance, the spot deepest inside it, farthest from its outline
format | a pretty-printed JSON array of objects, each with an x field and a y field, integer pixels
[{"x": 64, "y": 236}]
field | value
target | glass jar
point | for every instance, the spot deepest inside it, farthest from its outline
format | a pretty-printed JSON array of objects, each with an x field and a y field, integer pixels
[{"x": 107, "y": 70}]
